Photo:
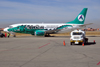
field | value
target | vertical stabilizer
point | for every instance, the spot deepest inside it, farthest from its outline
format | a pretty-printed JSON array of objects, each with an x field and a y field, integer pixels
[{"x": 80, "y": 18}]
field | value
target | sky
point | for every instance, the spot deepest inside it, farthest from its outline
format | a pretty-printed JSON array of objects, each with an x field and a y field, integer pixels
[{"x": 48, "y": 11}]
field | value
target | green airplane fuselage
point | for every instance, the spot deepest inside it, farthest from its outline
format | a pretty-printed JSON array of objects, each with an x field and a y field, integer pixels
[{"x": 42, "y": 29}]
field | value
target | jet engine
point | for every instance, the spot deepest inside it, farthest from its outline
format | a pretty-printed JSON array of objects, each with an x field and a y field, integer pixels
[{"x": 39, "y": 33}]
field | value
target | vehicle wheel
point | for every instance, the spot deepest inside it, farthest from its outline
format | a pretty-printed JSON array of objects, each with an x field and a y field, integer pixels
[
  {"x": 73, "y": 43},
  {"x": 80, "y": 43},
  {"x": 87, "y": 41},
  {"x": 70, "y": 43}
]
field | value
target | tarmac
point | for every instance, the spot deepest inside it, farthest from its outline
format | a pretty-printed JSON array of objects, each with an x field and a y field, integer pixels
[{"x": 48, "y": 52}]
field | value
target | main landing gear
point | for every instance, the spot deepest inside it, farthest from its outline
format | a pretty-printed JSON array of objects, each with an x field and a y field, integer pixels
[{"x": 47, "y": 35}]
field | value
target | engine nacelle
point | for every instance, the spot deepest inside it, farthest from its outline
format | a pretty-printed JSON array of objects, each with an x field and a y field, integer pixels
[{"x": 39, "y": 33}]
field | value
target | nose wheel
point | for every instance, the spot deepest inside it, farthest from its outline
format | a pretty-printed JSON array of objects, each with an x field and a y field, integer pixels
[{"x": 14, "y": 35}]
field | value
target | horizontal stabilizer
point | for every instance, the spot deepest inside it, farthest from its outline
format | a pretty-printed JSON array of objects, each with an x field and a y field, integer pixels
[{"x": 86, "y": 24}]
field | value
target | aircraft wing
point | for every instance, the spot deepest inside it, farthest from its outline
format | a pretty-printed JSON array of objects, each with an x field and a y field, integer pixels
[
  {"x": 52, "y": 31},
  {"x": 57, "y": 29}
]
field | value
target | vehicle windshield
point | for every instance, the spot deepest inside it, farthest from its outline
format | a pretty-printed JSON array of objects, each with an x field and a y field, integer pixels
[{"x": 77, "y": 33}]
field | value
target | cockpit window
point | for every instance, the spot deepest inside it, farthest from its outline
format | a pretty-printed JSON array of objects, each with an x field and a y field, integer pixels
[{"x": 10, "y": 26}]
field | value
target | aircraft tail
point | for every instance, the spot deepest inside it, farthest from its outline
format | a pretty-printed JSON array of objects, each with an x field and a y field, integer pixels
[{"x": 80, "y": 18}]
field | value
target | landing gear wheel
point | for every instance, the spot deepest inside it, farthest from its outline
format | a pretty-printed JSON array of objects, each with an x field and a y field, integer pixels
[
  {"x": 47, "y": 35},
  {"x": 1, "y": 36},
  {"x": 14, "y": 36}
]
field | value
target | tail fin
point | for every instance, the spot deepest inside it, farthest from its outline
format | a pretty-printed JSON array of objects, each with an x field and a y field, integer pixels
[{"x": 80, "y": 18}]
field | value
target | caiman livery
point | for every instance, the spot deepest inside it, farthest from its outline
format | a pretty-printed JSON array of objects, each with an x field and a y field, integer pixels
[{"x": 46, "y": 29}]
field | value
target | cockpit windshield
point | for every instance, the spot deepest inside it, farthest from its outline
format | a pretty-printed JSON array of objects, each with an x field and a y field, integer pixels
[{"x": 10, "y": 26}]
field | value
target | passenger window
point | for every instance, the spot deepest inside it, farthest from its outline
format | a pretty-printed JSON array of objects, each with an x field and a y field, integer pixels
[{"x": 33, "y": 27}]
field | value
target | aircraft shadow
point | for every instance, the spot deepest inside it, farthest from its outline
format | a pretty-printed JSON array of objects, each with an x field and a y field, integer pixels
[
  {"x": 50, "y": 36},
  {"x": 59, "y": 36}
]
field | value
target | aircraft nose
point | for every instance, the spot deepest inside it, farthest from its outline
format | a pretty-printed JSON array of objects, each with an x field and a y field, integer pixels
[{"x": 6, "y": 29}]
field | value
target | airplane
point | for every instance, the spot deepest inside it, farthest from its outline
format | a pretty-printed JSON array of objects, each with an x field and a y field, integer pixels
[{"x": 46, "y": 29}]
